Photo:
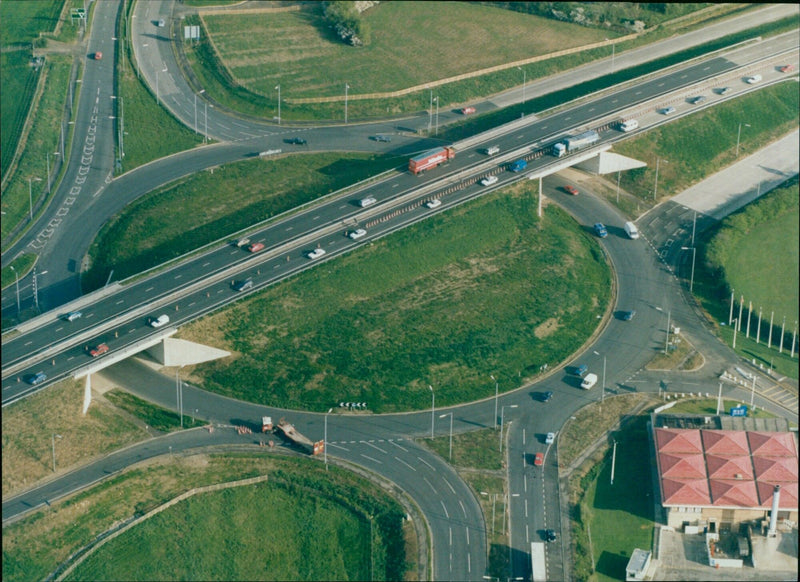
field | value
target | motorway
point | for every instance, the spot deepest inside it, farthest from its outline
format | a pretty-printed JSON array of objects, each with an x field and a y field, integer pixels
[{"x": 382, "y": 444}]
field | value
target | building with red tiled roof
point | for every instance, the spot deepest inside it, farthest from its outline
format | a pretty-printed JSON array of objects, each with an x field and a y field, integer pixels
[{"x": 714, "y": 477}]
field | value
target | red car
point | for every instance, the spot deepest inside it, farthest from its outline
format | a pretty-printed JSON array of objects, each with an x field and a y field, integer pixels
[
  {"x": 255, "y": 247},
  {"x": 538, "y": 460},
  {"x": 98, "y": 350},
  {"x": 467, "y": 110},
  {"x": 571, "y": 190},
  {"x": 786, "y": 68},
  {"x": 98, "y": 56}
]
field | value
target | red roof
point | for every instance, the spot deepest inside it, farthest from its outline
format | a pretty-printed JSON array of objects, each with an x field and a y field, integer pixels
[
  {"x": 674, "y": 440},
  {"x": 726, "y": 468},
  {"x": 725, "y": 442},
  {"x": 685, "y": 491},
  {"x": 729, "y": 467},
  {"x": 729, "y": 492},
  {"x": 788, "y": 497},
  {"x": 775, "y": 469},
  {"x": 682, "y": 466},
  {"x": 773, "y": 444}
]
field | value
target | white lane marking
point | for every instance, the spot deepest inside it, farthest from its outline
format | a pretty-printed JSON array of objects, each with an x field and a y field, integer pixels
[
  {"x": 406, "y": 464},
  {"x": 371, "y": 459},
  {"x": 448, "y": 484},
  {"x": 447, "y": 515},
  {"x": 431, "y": 485},
  {"x": 330, "y": 444},
  {"x": 427, "y": 463},
  {"x": 376, "y": 447},
  {"x": 463, "y": 509},
  {"x": 398, "y": 446}
]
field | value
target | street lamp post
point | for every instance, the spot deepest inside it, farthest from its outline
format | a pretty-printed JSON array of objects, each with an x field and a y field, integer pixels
[
  {"x": 691, "y": 280},
  {"x": 433, "y": 407},
  {"x": 450, "y": 414},
  {"x": 346, "y": 87},
  {"x": 205, "y": 135},
  {"x": 31, "y": 179},
  {"x": 739, "y": 135},
  {"x": 53, "y": 438},
  {"x": 655, "y": 188},
  {"x": 436, "y": 131},
  {"x": 325, "y": 439},
  {"x": 278, "y": 87},
  {"x": 496, "y": 384},
  {"x": 16, "y": 284},
  {"x": 36, "y": 288},
  {"x": 502, "y": 414}
]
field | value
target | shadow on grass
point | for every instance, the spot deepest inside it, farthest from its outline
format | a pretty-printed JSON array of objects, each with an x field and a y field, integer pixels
[{"x": 612, "y": 565}]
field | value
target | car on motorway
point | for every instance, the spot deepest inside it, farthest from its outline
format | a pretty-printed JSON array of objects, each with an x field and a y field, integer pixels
[
  {"x": 157, "y": 322},
  {"x": 753, "y": 79},
  {"x": 546, "y": 396},
  {"x": 383, "y": 138},
  {"x": 242, "y": 242},
  {"x": 243, "y": 285},
  {"x": 628, "y": 315},
  {"x": 315, "y": 254},
  {"x": 571, "y": 190},
  {"x": 255, "y": 247},
  {"x": 357, "y": 233},
  {"x": 433, "y": 203},
  {"x": 668, "y": 110},
  {"x": 98, "y": 350},
  {"x": 296, "y": 141},
  {"x": 550, "y": 438},
  {"x": 368, "y": 201},
  {"x": 73, "y": 315},
  {"x": 489, "y": 180},
  {"x": 600, "y": 230},
  {"x": 697, "y": 100},
  {"x": 37, "y": 378},
  {"x": 724, "y": 90},
  {"x": 550, "y": 535},
  {"x": 538, "y": 460},
  {"x": 786, "y": 68},
  {"x": 98, "y": 56}
]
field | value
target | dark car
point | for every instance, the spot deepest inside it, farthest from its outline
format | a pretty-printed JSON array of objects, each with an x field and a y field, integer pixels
[
  {"x": 581, "y": 370},
  {"x": 550, "y": 535},
  {"x": 600, "y": 230},
  {"x": 384, "y": 138},
  {"x": 628, "y": 315},
  {"x": 37, "y": 378},
  {"x": 546, "y": 396},
  {"x": 697, "y": 100},
  {"x": 297, "y": 141}
]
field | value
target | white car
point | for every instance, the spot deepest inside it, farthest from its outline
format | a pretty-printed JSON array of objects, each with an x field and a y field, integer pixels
[
  {"x": 368, "y": 201},
  {"x": 316, "y": 253},
  {"x": 358, "y": 233},
  {"x": 433, "y": 203},
  {"x": 489, "y": 180},
  {"x": 159, "y": 321},
  {"x": 550, "y": 438},
  {"x": 752, "y": 80}
]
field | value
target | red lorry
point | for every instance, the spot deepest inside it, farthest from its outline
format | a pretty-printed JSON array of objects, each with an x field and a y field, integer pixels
[{"x": 431, "y": 159}]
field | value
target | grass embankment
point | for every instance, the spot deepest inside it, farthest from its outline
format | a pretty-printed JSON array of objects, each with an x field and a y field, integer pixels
[
  {"x": 29, "y": 426},
  {"x": 486, "y": 289},
  {"x": 712, "y": 137},
  {"x": 253, "y": 532},
  {"x": 215, "y": 204},
  {"x": 151, "y": 131},
  {"x": 754, "y": 253}
]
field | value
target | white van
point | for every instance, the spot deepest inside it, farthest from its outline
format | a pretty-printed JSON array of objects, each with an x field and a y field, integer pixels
[
  {"x": 589, "y": 381},
  {"x": 368, "y": 201},
  {"x": 628, "y": 125},
  {"x": 159, "y": 321},
  {"x": 630, "y": 230},
  {"x": 492, "y": 150}
]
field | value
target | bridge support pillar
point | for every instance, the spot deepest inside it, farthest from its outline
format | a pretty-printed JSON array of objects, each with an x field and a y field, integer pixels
[{"x": 87, "y": 394}]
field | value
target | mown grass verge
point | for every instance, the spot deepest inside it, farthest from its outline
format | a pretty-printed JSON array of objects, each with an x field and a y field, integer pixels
[
  {"x": 486, "y": 289},
  {"x": 153, "y": 416},
  {"x": 754, "y": 253},
  {"x": 215, "y": 204},
  {"x": 256, "y": 532}
]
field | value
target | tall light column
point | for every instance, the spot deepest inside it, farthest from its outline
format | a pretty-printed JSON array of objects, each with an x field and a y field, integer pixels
[
  {"x": 450, "y": 414},
  {"x": 524, "y": 79},
  {"x": 496, "y": 386},
  {"x": 16, "y": 284},
  {"x": 433, "y": 407},
  {"x": 691, "y": 280},
  {"x": 278, "y": 87},
  {"x": 346, "y": 87},
  {"x": 325, "y": 439},
  {"x": 739, "y": 135},
  {"x": 502, "y": 414}
]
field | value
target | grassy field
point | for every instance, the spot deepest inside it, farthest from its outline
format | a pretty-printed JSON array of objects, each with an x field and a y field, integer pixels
[
  {"x": 485, "y": 289},
  {"x": 231, "y": 198},
  {"x": 29, "y": 426},
  {"x": 254, "y": 524},
  {"x": 712, "y": 134}
]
